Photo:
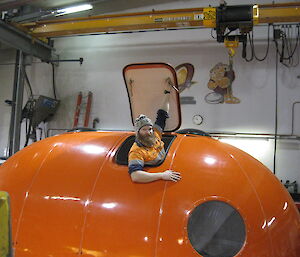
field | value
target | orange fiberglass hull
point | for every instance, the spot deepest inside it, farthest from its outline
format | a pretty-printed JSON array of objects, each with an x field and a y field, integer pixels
[{"x": 69, "y": 197}]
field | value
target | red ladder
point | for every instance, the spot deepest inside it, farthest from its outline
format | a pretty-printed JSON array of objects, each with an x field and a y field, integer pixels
[{"x": 80, "y": 105}]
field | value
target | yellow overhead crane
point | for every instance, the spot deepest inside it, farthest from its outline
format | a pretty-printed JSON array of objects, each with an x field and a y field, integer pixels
[{"x": 223, "y": 17}]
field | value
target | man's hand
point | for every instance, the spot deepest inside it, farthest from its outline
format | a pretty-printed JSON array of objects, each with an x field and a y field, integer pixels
[{"x": 171, "y": 175}]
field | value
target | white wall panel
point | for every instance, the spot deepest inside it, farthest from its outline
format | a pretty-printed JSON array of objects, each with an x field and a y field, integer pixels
[{"x": 6, "y": 85}]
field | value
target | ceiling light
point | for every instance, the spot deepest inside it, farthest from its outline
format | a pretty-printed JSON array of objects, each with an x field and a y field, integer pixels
[
  {"x": 73, "y": 9},
  {"x": 257, "y": 147}
]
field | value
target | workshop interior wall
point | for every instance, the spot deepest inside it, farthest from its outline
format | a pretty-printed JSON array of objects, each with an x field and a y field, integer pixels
[
  {"x": 101, "y": 73},
  {"x": 6, "y": 87}
]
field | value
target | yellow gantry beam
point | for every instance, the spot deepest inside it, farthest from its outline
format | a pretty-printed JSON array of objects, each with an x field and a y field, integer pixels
[
  {"x": 279, "y": 14},
  {"x": 118, "y": 23},
  {"x": 180, "y": 18}
]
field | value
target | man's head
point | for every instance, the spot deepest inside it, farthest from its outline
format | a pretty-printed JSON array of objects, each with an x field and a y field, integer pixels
[{"x": 144, "y": 130}]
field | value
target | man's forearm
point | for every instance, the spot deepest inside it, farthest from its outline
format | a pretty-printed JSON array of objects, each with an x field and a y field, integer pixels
[{"x": 141, "y": 176}]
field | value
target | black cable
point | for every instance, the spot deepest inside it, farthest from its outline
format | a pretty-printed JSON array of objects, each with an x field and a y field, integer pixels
[
  {"x": 286, "y": 37},
  {"x": 277, "y": 48},
  {"x": 282, "y": 49},
  {"x": 41, "y": 132},
  {"x": 286, "y": 46},
  {"x": 26, "y": 126},
  {"x": 251, "y": 48},
  {"x": 297, "y": 63},
  {"x": 296, "y": 44},
  {"x": 288, "y": 43},
  {"x": 44, "y": 129},
  {"x": 30, "y": 108},
  {"x": 288, "y": 40},
  {"x": 267, "y": 51},
  {"x": 211, "y": 33},
  {"x": 276, "y": 115},
  {"x": 228, "y": 33},
  {"x": 53, "y": 82},
  {"x": 28, "y": 134},
  {"x": 28, "y": 82}
]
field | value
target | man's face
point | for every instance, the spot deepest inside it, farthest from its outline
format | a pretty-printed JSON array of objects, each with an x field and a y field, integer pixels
[
  {"x": 146, "y": 136},
  {"x": 146, "y": 131}
]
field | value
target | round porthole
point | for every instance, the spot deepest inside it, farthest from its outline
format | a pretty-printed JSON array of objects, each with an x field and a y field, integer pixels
[{"x": 216, "y": 229}]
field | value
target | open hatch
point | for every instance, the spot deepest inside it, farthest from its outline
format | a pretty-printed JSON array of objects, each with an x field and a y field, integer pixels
[{"x": 146, "y": 83}]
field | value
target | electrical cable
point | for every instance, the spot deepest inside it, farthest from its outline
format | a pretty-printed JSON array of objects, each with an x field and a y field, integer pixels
[
  {"x": 282, "y": 50},
  {"x": 251, "y": 42},
  {"x": 287, "y": 32},
  {"x": 28, "y": 115},
  {"x": 276, "y": 115},
  {"x": 26, "y": 126},
  {"x": 251, "y": 47},
  {"x": 228, "y": 33},
  {"x": 211, "y": 33},
  {"x": 297, "y": 63},
  {"x": 287, "y": 52},
  {"x": 53, "y": 82},
  {"x": 289, "y": 42},
  {"x": 29, "y": 110},
  {"x": 28, "y": 134},
  {"x": 267, "y": 51},
  {"x": 28, "y": 82}
]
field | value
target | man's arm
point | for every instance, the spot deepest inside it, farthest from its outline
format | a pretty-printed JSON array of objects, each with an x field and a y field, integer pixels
[
  {"x": 141, "y": 176},
  {"x": 138, "y": 175},
  {"x": 163, "y": 112},
  {"x": 166, "y": 101}
]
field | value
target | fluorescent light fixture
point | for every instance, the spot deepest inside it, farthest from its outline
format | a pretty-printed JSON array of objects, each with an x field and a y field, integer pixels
[
  {"x": 257, "y": 147},
  {"x": 73, "y": 9}
]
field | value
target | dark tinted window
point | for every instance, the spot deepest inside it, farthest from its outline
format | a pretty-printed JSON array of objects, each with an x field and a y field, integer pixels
[{"x": 216, "y": 229}]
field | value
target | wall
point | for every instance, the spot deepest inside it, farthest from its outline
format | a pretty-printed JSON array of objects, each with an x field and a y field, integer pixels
[
  {"x": 39, "y": 76},
  {"x": 6, "y": 85},
  {"x": 101, "y": 72}
]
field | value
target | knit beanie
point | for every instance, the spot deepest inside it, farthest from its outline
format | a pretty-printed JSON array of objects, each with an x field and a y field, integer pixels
[{"x": 142, "y": 121}]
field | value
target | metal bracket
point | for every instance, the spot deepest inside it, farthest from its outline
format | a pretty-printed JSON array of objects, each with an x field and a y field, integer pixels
[{"x": 56, "y": 62}]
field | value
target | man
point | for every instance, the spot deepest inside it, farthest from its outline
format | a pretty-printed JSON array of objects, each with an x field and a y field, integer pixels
[{"x": 148, "y": 147}]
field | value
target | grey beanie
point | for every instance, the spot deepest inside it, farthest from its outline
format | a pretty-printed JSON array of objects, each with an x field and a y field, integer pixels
[{"x": 142, "y": 121}]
